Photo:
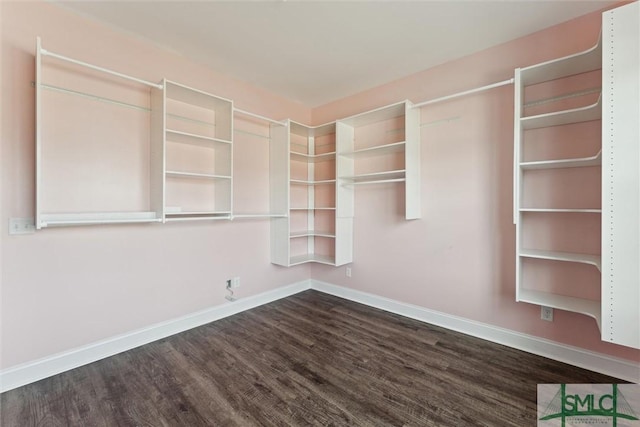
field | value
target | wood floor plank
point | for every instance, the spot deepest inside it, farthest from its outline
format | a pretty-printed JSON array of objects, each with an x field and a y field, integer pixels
[{"x": 310, "y": 359}]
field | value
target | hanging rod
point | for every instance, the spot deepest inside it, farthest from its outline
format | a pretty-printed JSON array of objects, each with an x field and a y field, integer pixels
[
  {"x": 95, "y": 67},
  {"x": 257, "y": 116},
  {"x": 466, "y": 92}
]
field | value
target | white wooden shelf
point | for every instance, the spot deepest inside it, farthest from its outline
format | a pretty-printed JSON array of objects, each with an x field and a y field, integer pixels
[
  {"x": 312, "y": 233},
  {"x": 177, "y": 174},
  {"x": 320, "y": 259},
  {"x": 61, "y": 219},
  {"x": 581, "y": 62},
  {"x": 565, "y": 117},
  {"x": 594, "y": 260},
  {"x": 551, "y": 210},
  {"x": 577, "y": 305},
  {"x": 564, "y": 163},
  {"x": 314, "y": 209},
  {"x": 375, "y": 178},
  {"x": 318, "y": 182},
  {"x": 197, "y": 215},
  {"x": 190, "y": 138},
  {"x": 313, "y": 158},
  {"x": 379, "y": 150}
]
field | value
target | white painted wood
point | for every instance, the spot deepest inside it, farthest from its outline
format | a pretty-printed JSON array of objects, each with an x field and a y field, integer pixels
[
  {"x": 101, "y": 69},
  {"x": 575, "y": 115},
  {"x": 279, "y": 197},
  {"x": 38, "y": 125},
  {"x": 157, "y": 154},
  {"x": 311, "y": 182},
  {"x": 581, "y": 62},
  {"x": 379, "y": 150},
  {"x": 312, "y": 158},
  {"x": 377, "y": 115},
  {"x": 376, "y": 177},
  {"x": 199, "y": 98},
  {"x": 412, "y": 163},
  {"x": 560, "y": 210},
  {"x": 463, "y": 93},
  {"x": 179, "y": 174},
  {"x": 258, "y": 116},
  {"x": 577, "y": 305},
  {"x": 345, "y": 166},
  {"x": 621, "y": 176},
  {"x": 594, "y": 260},
  {"x": 307, "y": 233},
  {"x": 564, "y": 163},
  {"x": 190, "y": 138},
  {"x": 303, "y": 259},
  {"x": 65, "y": 219}
]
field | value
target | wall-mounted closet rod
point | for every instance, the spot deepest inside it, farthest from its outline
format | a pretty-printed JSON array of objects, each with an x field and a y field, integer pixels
[
  {"x": 466, "y": 92},
  {"x": 257, "y": 116},
  {"x": 95, "y": 67}
]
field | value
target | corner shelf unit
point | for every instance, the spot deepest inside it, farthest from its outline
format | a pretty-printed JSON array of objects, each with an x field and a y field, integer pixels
[
  {"x": 311, "y": 232},
  {"x": 371, "y": 153},
  {"x": 197, "y": 133},
  {"x": 538, "y": 293}
]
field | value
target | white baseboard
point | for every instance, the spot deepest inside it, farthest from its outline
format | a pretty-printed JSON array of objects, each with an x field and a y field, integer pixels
[
  {"x": 598, "y": 362},
  {"x": 42, "y": 368},
  {"x": 39, "y": 369}
]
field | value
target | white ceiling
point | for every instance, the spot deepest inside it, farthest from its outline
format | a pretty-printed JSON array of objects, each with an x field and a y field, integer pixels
[{"x": 315, "y": 52}]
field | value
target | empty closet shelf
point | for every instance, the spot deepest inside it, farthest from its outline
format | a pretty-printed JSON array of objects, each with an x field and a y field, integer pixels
[{"x": 594, "y": 260}]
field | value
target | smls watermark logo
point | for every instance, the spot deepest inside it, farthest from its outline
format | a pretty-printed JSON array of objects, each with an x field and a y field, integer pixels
[{"x": 564, "y": 405}]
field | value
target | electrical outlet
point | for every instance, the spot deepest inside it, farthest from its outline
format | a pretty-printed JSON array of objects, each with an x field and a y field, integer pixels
[
  {"x": 347, "y": 271},
  {"x": 22, "y": 226},
  {"x": 233, "y": 283},
  {"x": 546, "y": 313}
]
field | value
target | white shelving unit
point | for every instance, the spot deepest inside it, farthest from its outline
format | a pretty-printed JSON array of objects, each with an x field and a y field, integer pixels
[
  {"x": 197, "y": 134},
  {"x": 311, "y": 233},
  {"x": 537, "y": 293},
  {"x": 73, "y": 168},
  {"x": 400, "y": 145},
  {"x": 621, "y": 176}
]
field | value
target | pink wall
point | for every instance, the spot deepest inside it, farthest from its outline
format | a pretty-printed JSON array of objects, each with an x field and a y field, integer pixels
[
  {"x": 63, "y": 288},
  {"x": 67, "y": 287},
  {"x": 460, "y": 257}
]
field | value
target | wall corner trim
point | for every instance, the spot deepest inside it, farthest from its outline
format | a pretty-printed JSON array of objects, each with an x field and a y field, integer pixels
[
  {"x": 36, "y": 370},
  {"x": 598, "y": 362}
]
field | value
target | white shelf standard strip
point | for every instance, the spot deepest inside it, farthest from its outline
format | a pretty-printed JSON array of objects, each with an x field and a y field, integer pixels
[
  {"x": 594, "y": 260},
  {"x": 464, "y": 93},
  {"x": 564, "y": 163},
  {"x": 101, "y": 69}
]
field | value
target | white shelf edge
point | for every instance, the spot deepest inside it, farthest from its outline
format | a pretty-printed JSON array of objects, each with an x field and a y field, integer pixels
[
  {"x": 377, "y": 150},
  {"x": 311, "y": 233},
  {"x": 377, "y": 177},
  {"x": 313, "y": 158},
  {"x": 561, "y": 302},
  {"x": 258, "y": 215},
  {"x": 564, "y": 163},
  {"x": 594, "y": 260},
  {"x": 319, "y": 182},
  {"x": 560, "y": 210},
  {"x": 577, "y": 63},
  {"x": 302, "y": 259},
  {"x": 178, "y": 174},
  {"x": 189, "y": 138},
  {"x": 52, "y": 220},
  {"x": 564, "y": 117},
  {"x": 313, "y": 209}
]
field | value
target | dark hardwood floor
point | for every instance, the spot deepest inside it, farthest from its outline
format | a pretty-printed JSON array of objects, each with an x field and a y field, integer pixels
[{"x": 310, "y": 359}]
